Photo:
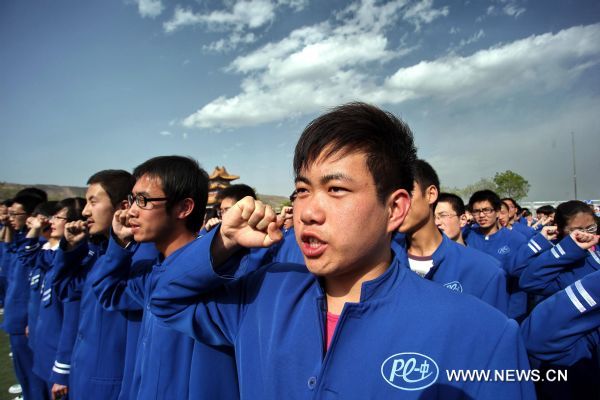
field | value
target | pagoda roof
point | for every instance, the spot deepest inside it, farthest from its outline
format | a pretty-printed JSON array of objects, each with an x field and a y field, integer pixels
[{"x": 221, "y": 173}]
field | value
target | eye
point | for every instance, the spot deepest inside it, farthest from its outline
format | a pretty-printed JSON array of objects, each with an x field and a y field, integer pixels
[
  {"x": 337, "y": 189},
  {"x": 301, "y": 191}
]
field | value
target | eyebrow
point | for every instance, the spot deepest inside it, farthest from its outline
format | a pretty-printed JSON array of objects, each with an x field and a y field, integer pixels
[{"x": 326, "y": 178}]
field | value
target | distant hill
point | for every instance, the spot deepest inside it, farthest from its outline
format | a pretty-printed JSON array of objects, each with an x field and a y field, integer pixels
[{"x": 55, "y": 192}]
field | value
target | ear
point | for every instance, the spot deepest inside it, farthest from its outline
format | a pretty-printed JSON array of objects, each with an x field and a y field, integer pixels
[
  {"x": 432, "y": 194},
  {"x": 183, "y": 208},
  {"x": 462, "y": 220},
  {"x": 398, "y": 206}
]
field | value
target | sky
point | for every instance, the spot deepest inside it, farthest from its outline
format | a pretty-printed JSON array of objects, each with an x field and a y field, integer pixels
[{"x": 486, "y": 86}]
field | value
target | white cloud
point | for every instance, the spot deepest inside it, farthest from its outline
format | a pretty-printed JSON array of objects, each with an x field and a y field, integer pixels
[
  {"x": 314, "y": 66},
  {"x": 512, "y": 8},
  {"x": 472, "y": 39},
  {"x": 165, "y": 133},
  {"x": 150, "y": 8}
]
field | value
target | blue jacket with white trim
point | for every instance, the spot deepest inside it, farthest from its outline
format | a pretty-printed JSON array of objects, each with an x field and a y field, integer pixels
[
  {"x": 387, "y": 345},
  {"x": 464, "y": 270},
  {"x": 512, "y": 249},
  {"x": 557, "y": 268},
  {"x": 164, "y": 355},
  {"x": 17, "y": 288},
  {"x": 99, "y": 350},
  {"x": 565, "y": 328}
]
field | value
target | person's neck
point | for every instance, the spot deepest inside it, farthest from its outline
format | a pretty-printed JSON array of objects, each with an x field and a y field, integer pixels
[
  {"x": 176, "y": 240},
  {"x": 53, "y": 241},
  {"x": 342, "y": 289},
  {"x": 460, "y": 239},
  {"x": 490, "y": 230},
  {"x": 425, "y": 241}
]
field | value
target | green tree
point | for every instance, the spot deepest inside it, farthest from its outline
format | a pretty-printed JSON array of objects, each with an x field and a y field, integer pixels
[{"x": 511, "y": 184}]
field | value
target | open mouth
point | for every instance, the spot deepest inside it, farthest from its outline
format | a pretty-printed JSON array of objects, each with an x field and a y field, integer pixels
[{"x": 312, "y": 245}]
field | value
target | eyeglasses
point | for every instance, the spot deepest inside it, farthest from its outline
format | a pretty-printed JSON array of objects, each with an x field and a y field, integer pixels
[
  {"x": 445, "y": 215},
  {"x": 485, "y": 211},
  {"x": 16, "y": 214},
  {"x": 58, "y": 217},
  {"x": 590, "y": 229},
  {"x": 142, "y": 201}
]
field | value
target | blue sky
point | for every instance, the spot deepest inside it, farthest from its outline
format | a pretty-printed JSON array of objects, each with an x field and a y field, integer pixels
[{"x": 486, "y": 86}]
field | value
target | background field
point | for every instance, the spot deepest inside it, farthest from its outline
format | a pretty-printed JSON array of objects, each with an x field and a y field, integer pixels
[{"x": 7, "y": 376}]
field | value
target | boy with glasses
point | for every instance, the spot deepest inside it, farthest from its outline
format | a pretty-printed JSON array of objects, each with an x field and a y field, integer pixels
[
  {"x": 511, "y": 248},
  {"x": 352, "y": 322},
  {"x": 166, "y": 209},
  {"x": 434, "y": 256}
]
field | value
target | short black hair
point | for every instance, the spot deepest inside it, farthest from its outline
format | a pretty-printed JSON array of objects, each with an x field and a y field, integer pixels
[
  {"x": 567, "y": 210},
  {"x": 47, "y": 209},
  {"x": 485, "y": 195},
  {"x": 7, "y": 202},
  {"x": 545, "y": 209},
  {"x": 236, "y": 192},
  {"x": 181, "y": 178},
  {"x": 526, "y": 212},
  {"x": 425, "y": 175},
  {"x": 457, "y": 204},
  {"x": 117, "y": 183},
  {"x": 33, "y": 191},
  {"x": 74, "y": 206},
  {"x": 386, "y": 141},
  {"x": 28, "y": 201}
]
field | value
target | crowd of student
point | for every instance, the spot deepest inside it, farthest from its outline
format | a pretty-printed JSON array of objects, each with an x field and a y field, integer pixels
[{"x": 372, "y": 284}]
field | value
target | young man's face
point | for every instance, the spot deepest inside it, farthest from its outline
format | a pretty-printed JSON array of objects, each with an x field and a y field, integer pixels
[
  {"x": 17, "y": 216},
  {"x": 484, "y": 214},
  {"x": 225, "y": 205},
  {"x": 420, "y": 210},
  {"x": 151, "y": 223},
  {"x": 340, "y": 224},
  {"x": 448, "y": 221},
  {"x": 98, "y": 210},
  {"x": 57, "y": 224},
  {"x": 504, "y": 215}
]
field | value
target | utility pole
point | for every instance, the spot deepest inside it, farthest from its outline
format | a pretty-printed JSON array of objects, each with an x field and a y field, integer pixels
[{"x": 574, "y": 169}]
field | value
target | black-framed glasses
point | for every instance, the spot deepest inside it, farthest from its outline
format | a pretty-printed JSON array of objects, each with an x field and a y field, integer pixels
[
  {"x": 16, "y": 214},
  {"x": 142, "y": 201},
  {"x": 484, "y": 211}
]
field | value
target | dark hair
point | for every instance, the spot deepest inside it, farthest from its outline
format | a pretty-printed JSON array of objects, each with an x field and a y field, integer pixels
[
  {"x": 526, "y": 212},
  {"x": 485, "y": 195},
  {"x": 33, "y": 191},
  {"x": 7, "y": 202},
  {"x": 455, "y": 202},
  {"x": 181, "y": 178},
  {"x": 47, "y": 209},
  {"x": 74, "y": 206},
  {"x": 117, "y": 183},
  {"x": 237, "y": 192},
  {"x": 567, "y": 210},
  {"x": 386, "y": 141},
  {"x": 28, "y": 201},
  {"x": 546, "y": 209},
  {"x": 425, "y": 175}
]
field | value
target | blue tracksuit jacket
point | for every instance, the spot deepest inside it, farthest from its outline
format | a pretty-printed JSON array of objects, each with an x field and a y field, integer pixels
[
  {"x": 565, "y": 327},
  {"x": 558, "y": 267},
  {"x": 398, "y": 341},
  {"x": 98, "y": 354},
  {"x": 164, "y": 355},
  {"x": 464, "y": 270},
  {"x": 513, "y": 251},
  {"x": 17, "y": 291}
]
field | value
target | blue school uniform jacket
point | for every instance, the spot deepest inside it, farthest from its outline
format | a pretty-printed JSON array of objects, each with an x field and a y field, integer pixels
[
  {"x": 98, "y": 355},
  {"x": 164, "y": 355},
  {"x": 464, "y": 270},
  {"x": 564, "y": 328},
  {"x": 558, "y": 267},
  {"x": 17, "y": 290},
  {"x": 513, "y": 251},
  {"x": 398, "y": 341}
]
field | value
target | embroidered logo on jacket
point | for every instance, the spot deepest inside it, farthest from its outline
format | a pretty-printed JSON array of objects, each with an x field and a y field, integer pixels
[
  {"x": 410, "y": 371},
  {"x": 504, "y": 250},
  {"x": 454, "y": 285}
]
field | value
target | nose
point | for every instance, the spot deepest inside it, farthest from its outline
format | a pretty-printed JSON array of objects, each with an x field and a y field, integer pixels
[
  {"x": 133, "y": 210},
  {"x": 86, "y": 212},
  {"x": 311, "y": 209}
]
